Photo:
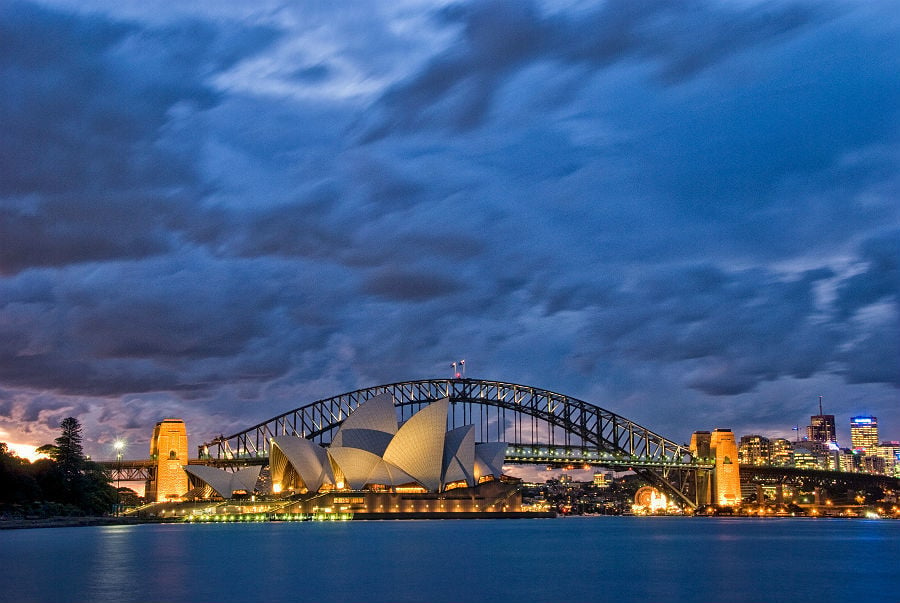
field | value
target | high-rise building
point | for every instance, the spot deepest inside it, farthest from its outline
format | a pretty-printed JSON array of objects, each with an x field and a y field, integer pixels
[
  {"x": 755, "y": 450},
  {"x": 864, "y": 433},
  {"x": 870, "y": 463},
  {"x": 811, "y": 455},
  {"x": 782, "y": 452},
  {"x": 169, "y": 448},
  {"x": 890, "y": 452},
  {"x": 806, "y": 459},
  {"x": 821, "y": 428},
  {"x": 847, "y": 461}
]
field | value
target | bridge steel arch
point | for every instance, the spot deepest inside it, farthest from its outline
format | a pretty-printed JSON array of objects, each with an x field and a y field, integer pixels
[{"x": 521, "y": 415}]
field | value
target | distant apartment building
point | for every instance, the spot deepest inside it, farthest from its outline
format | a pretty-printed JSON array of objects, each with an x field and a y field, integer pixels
[
  {"x": 782, "y": 452},
  {"x": 813, "y": 455},
  {"x": 601, "y": 480},
  {"x": 890, "y": 452},
  {"x": 805, "y": 459},
  {"x": 848, "y": 460},
  {"x": 870, "y": 463},
  {"x": 755, "y": 449}
]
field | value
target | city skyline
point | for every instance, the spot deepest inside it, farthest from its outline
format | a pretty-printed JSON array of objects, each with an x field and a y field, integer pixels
[{"x": 686, "y": 215}]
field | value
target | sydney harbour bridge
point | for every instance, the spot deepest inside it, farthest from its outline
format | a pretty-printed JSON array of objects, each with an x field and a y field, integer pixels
[{"x": 539, "y": 427}]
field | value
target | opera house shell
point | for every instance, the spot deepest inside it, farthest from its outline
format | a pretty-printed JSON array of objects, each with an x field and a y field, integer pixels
[
  {"x": 371, "y": 451},
  {"x": 220, "y": 482}
]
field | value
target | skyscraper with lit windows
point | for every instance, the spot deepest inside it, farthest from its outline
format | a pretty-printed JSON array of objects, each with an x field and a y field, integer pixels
[
  {"x": 864, "y": 433},
  {"x": 782, "y": 452},
  {"x": 821, "y": 428}
]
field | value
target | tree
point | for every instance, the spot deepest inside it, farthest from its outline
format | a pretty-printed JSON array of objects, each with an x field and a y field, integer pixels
[
  {"x": 48, "y": 450},
  {"x": 69, "y": 451},
  {"x": 64, "y": 484}
]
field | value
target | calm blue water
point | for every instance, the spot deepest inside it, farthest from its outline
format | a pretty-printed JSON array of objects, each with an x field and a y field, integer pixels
[{"x": 620, "y": 559}]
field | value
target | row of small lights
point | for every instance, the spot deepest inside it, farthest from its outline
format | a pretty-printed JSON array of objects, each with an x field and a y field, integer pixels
[
  {"x": 610, "y": 457},
  {"x": 607, "y": 455},
  {"x": 247, "y": 517}
]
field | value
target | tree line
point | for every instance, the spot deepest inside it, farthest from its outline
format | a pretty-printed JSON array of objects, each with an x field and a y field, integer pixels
[{"x": 64, "y": 483}]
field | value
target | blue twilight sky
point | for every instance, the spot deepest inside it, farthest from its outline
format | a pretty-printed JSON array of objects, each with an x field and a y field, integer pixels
[{"x": 686, "y": 213}]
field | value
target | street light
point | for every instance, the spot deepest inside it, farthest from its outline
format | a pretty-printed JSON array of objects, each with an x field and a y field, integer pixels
[{"x": 119, "y": 445}]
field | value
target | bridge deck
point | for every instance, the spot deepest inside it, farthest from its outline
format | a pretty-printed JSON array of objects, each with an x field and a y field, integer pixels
[{"x": 143, "y": 469}]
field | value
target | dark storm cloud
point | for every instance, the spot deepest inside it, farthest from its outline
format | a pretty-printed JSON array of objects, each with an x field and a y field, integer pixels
[
  {"x": 400, "y": 285},
  {"x": 870, "y": 303},
  {"x": 6, "y": 405},
  {"x": 683, "y": 39},
  {"x": 61, "y": 230},
  {"x": 86, "y": 170},
  {"x": 307, "y": 228},
  {"x": 732, "y": 330},
  {"x": 48, "y": 405},
  {"x": 459, "y": 87},
  {"x": 879, "y": 280},
  {"x": 874, "y": 357},
  {"x": 174, "y": 325},
  {"x": 80, "y": 115},
  {"x": 766, "y": 152}
]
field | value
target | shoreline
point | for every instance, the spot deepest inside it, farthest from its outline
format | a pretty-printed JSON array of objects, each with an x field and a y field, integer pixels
[{"x": 74, "y": 522}]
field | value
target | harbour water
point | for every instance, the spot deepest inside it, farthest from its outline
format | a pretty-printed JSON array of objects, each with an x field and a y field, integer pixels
[{"x": 621, "y": 559}]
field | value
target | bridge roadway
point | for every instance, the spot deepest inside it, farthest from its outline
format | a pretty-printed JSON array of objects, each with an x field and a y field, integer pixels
[
  {"x": 516, "y": 454},
  {"x": 576, "y": 457}
]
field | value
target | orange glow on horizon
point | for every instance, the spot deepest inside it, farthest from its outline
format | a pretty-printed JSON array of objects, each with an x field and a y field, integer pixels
[{"x": 25, "y": 451}]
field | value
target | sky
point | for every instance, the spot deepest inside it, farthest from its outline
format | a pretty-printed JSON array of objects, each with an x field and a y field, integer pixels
[{"x": 686, "y": 213}]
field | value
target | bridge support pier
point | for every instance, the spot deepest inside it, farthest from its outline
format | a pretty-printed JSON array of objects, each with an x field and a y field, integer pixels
[
  {"x": 169, "y": 450},
  {"x": 724, "y": 486}
]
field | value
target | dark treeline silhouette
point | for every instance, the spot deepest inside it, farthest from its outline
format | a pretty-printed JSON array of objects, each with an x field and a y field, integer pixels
[{"x": 66, "y": 483}]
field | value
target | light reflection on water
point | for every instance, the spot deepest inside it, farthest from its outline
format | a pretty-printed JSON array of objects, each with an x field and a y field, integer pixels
[{"x": 618, "y": 559}]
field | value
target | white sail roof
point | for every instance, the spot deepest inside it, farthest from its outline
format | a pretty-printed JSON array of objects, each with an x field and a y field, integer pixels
[
  {"x": 418, "y": 446},
  {"x": 389, "y": 475},
  {"x": 225, "y": 482},
  {"x": 459, "y": 455},
  {"x": 370, "y": 440},
  {"x": 355, "y": 463},
  {"x": 306, "y": 459},
  {"x": 375, "y": 414},
  {"x": 489, "y": 458},
  {"x": 361, "y": 467}
]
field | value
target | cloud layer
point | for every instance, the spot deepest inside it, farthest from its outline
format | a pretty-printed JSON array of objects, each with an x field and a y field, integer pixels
[{"x": 686, "y": 214}]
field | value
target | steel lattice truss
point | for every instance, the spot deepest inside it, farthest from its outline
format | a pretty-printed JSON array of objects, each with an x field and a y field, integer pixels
[{"x": 501, "y": 412}]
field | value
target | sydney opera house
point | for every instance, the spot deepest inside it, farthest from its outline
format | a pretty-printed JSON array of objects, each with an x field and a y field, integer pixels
[{"x": 375, "y": 466}]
